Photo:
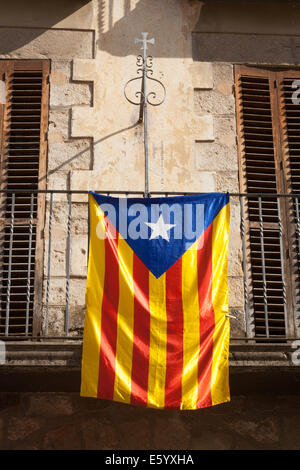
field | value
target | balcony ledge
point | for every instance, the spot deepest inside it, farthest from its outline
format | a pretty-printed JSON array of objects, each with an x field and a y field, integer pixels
[
  {"x": 52, "y": 366},
  {"x": 68, "y": 354}
]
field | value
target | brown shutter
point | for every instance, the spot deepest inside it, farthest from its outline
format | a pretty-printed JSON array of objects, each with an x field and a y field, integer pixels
[
  {"x": 23, "y": 167},
  {"x": 288, "y": 86},
  {"x": 259, "y": 168}
]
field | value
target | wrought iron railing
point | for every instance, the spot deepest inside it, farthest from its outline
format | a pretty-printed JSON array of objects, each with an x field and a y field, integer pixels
[{"x": 44, "y": 254}]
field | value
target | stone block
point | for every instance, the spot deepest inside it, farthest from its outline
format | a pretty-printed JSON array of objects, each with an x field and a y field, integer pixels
[
  {"x": 84, "y": 69},
  {"x": 21, "y": 427},
  {"x": 58, "y": 259},
  {"x": 69, "y": 155},
  {"x": 208, "y": 439},
  {"x": 235, "y": 261},
  {"x": 57, "y": 291},
  {"x": 237, "y": 324},
  {"x": 84, "y": 122},
  {"x": 81, "y": 181},
  {"x": 176, "y": 435},
  {"x": 214, "y": 101},
  {"x": 56, "y": 320},
  {"x": 59, "y": 120},
  {"x": 227, "y": 181},
  {"x": 236, "y": 292},
  {"x": 222, "y": 72},
  {"x": 60, "y": 213},
  {"x": 58, "y": 253},
  {"x": 215, "y": 156},
  {"x": 202, "y": 75},
  {"x": 65, "y": 153},
  {"x": 58, "y": 180},
  {"x": 202, "y": 127},
  {"x": 63, "y": 92},
  {"x": 79, "y": 251},
  {"x": 53, "y": 405},
  {"x": 92, "y": 180},
  {"x": 99, "y": 433},
  {"x": 62, "y": 437},
  {"x": 225, "y": 125},
  {"x": 265, "y": 430},
  {"x": 69, "y": 94},
  {"x": 60, "y": 72}
]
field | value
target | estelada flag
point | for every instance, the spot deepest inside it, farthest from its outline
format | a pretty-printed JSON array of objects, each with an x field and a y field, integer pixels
[{"x": 156, "y": 332}]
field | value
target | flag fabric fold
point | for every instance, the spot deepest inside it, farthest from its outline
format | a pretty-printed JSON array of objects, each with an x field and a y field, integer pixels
[{"x": 156, "y": 332}]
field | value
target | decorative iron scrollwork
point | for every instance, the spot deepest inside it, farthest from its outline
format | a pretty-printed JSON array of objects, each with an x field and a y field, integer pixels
[{"x": 145, "y": 72}]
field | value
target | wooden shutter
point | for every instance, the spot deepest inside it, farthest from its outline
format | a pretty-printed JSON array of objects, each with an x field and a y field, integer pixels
[
  {"x": 23, "y": 167},
  {"x": 260, "y": 169},
  {"x": 288, "y": 91}
]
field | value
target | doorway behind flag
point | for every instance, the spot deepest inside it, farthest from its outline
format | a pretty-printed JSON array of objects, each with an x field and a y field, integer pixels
[{"x": 156, "y": 332}]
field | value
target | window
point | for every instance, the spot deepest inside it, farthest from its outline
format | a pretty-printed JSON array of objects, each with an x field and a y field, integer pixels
[
  {"x": 268, "y": 123},
  {"x": 23, "y": 125}
]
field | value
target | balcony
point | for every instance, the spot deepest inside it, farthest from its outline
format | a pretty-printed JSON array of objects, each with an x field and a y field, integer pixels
[{"x": 43, "y": 262}]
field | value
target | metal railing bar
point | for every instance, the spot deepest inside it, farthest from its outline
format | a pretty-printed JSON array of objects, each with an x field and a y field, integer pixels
[
  {"x": 282, "y": 265},
  {"x": 298, "y": 224},
  {"x": 261, "y": 228},
  {"x": 244, "y": 268},
  {"x": 172, "y": 193},
  {"x": 276, "y": 341},
  {"x": 259, "y": 201},
  {"x": 68, "y": 264},
  {"x": 29, "y": 266},
  {"x": 11, "y": 236},
  {"x": 49, "y": 263}
]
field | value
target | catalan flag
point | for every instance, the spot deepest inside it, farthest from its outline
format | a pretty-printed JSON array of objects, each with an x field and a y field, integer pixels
[{"x": 156, "y": 332}]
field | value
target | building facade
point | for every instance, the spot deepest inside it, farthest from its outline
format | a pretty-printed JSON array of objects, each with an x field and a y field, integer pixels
[{"x": 230, "y": 122}]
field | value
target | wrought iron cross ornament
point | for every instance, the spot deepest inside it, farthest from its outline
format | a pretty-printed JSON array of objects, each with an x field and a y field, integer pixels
[
  {"x": 145, "y": 72},
  {"x": 144, "y": 40}
]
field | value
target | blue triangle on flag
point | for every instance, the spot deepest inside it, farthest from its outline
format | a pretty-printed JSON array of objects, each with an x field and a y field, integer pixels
[{"x": 160, "y": 229}]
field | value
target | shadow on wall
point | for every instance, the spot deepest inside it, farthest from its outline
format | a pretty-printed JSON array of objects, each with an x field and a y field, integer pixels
[
  {"x": 226, "y": 31},
  {"x": 23, "y": 21},
  {"x": 245, "y": 31},
  {"x": 121, "y": 21}
]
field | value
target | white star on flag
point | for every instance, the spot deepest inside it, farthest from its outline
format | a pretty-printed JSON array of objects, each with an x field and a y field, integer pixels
[{"x": 160, "y": 229}]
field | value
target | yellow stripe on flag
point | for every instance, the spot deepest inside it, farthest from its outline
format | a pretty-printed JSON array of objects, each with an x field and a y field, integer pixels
[
  {"x": 219, "y": 378},
  {"x": 158, "y": 341},
  {"x": 122, "y": 387},
  {"x": 191, "y": 329},
  {"x": 94, "y": 295}
]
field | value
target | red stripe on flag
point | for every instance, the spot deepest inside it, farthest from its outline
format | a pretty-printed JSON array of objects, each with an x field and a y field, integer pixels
[
  {"x": 207, "y": 318},
  {"x": 108, "y": 341},
  {"x": 141, "y": 334},
  {"x": 174, "y": 360}
]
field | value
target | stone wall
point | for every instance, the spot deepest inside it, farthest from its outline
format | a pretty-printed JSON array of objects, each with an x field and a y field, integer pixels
[
  {"x": 192, "y": 135},
  {"x": 66, "y": 421}
]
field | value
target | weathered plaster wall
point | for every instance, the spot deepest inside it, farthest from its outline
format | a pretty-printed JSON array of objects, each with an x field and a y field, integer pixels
[
  {"x": 66, "y": 421},
  {"x": 112, "y": 122},
  {"x": 192, "y": 144}
]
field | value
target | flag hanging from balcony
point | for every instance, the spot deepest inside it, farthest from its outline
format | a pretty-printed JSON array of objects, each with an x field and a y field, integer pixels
[{"x": 156, "y": 332}]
